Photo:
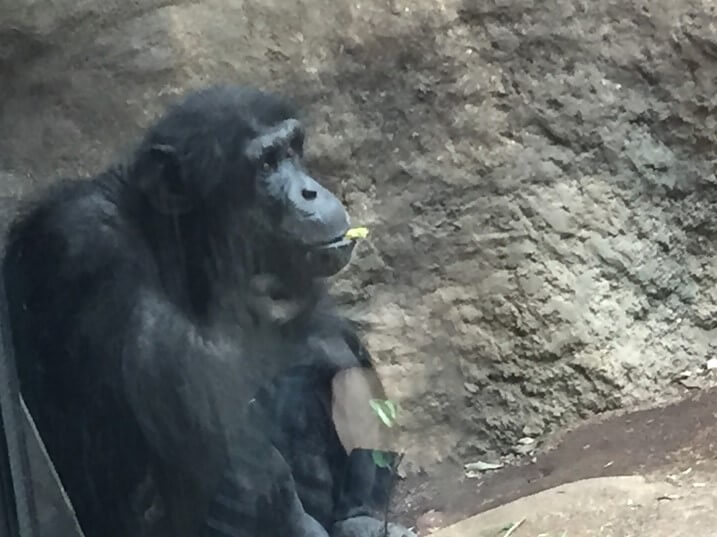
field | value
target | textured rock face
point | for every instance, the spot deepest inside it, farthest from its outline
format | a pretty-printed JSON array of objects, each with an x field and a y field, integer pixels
[{"x": 537, "y": 175}]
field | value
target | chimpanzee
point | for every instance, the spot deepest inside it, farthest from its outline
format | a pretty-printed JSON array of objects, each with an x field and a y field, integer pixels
[{"x": 175, "y": 339}]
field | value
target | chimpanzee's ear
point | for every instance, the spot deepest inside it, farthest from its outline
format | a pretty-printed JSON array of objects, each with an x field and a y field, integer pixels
[{"x": 161, "y": 178}]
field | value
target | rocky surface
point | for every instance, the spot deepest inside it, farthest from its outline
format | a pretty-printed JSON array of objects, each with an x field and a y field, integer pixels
[
  {"x": 600, "y": 507},
  {"x": 537, "y": 175},
  {"x": 672, "y": 443}
]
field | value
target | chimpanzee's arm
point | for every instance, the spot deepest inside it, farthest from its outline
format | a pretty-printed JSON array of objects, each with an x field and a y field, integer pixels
[
  {"x": 187, "y": 385},
  {"x": 258, "y": 496},
  {"x": 78, "y": 270},
  {"x": 364, "y": 488},
  {"x": 182, "y": 381},
  {"x": 346, "y": 492}
]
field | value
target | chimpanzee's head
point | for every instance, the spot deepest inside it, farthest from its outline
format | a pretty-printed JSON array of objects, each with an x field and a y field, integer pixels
[{"x": 231, "y": 159}]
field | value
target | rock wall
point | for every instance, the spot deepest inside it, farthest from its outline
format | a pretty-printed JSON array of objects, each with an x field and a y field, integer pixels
[{"x": 537, "y": 175}]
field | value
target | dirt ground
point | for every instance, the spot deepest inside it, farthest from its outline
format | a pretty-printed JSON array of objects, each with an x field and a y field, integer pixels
[{"x": 673, "y": 447}]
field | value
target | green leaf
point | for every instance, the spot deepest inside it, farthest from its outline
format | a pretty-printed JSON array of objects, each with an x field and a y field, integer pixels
[
  {"x": 392, "y": 408},
  {"x": 386, "y": 410},
  {"x": 380, "y": 459}
]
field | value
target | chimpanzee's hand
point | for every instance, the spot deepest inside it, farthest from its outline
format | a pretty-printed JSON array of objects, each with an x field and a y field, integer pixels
[
  {"x": 365, "y": 526},
  {"x": 308, "y": 527}
]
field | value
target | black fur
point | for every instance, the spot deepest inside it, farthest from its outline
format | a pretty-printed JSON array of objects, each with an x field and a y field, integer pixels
[{"x": 139, "y": 340}]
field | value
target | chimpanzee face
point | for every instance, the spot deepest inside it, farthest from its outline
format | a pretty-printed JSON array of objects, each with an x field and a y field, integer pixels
[{"x": 303, "y": 212}]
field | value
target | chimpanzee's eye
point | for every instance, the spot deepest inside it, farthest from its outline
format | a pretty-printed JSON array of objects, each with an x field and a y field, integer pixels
[{"x": 270, "y": 159}]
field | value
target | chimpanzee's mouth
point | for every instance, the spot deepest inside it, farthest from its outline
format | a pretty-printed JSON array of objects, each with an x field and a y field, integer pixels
[
  {"x": 327, "y": 258},
  {"x": 350, "y": 236},
  {"x": 338, "y": 241},
  {"x": 324, "y": 244}
]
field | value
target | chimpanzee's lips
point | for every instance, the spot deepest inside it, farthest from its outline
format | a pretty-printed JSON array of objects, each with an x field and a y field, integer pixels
[
  {"x": 338, "y": 241},
  {"x": 328, "y": 258},
  {"x": 350, "y": 236}
]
